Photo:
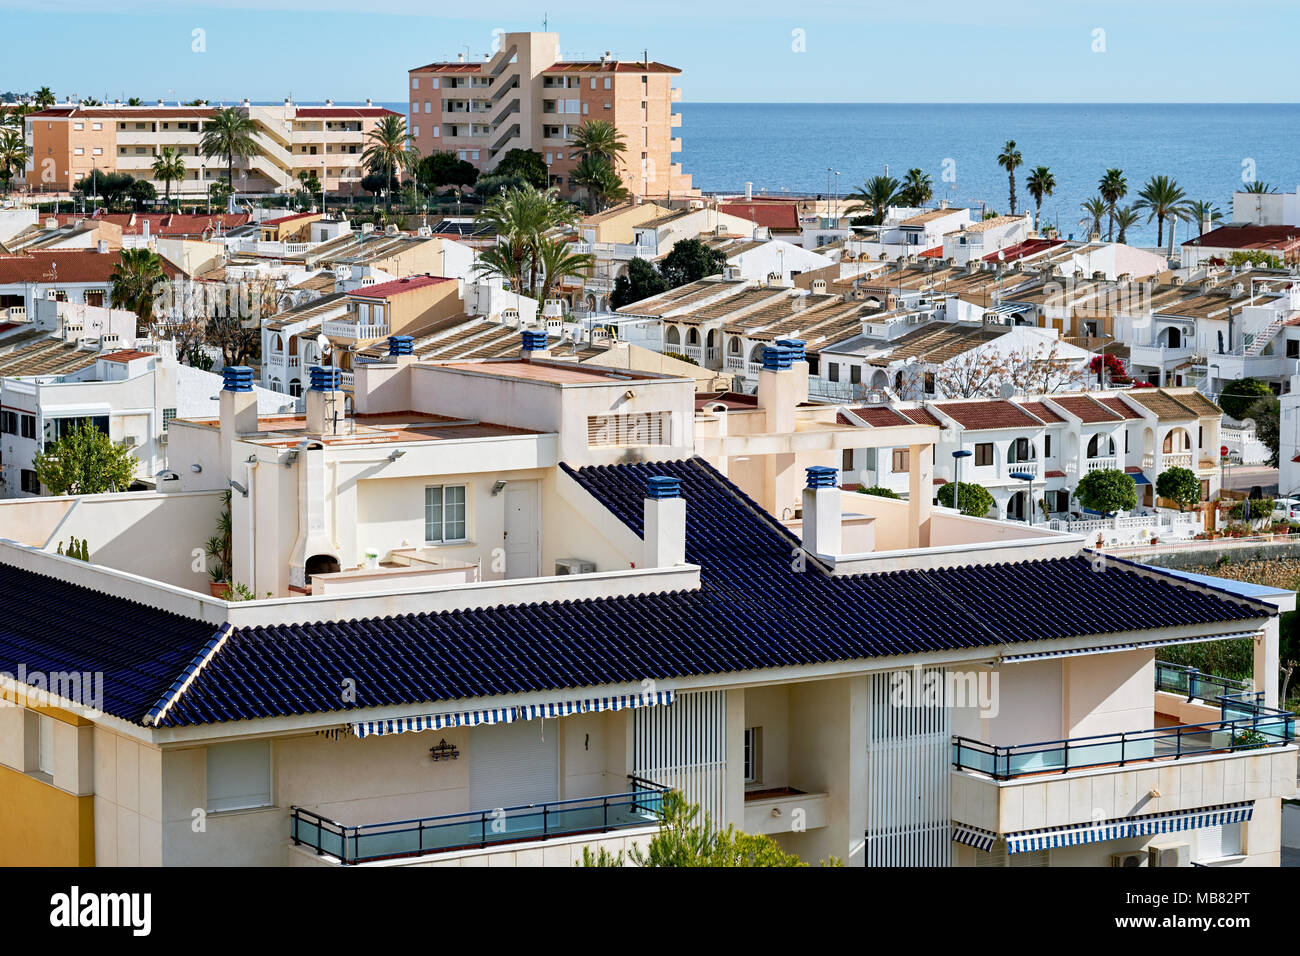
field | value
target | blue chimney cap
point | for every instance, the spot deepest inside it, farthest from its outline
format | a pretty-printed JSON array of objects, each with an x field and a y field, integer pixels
[
  {"x": 401, "y": 345},
  {"x": 533, "y": 341},
  {"x": 821, "y": 476},
  {"x": 324, "y": 378},
  {"x": 795, "y": 346},
  {"x": 237, "y": 378},
  {"x": 776, "y": 358},
  {"x": 663, "y": 486}
]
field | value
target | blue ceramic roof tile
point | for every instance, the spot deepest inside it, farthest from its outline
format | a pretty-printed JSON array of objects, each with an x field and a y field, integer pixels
[{"x": 753, "y": 610}]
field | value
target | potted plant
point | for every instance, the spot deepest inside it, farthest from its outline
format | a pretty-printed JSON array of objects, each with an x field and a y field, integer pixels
[{"x": 216, "y": 551}]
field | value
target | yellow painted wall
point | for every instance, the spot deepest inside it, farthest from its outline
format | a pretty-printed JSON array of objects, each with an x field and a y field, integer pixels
[{"x": 42, "y": 825}]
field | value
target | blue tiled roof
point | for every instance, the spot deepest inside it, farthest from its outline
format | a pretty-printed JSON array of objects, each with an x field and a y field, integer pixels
[{"x": 753, "y": 610}]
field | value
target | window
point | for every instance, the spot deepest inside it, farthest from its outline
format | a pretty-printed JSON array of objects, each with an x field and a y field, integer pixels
[
  {"x": 846, "y": 460},
  {"x": 444, "y": 513},
  {"x": 239, "y": 775},
  {"x": 434, "y": 83},
  {"x": 427, "y": 107},
  {"x": 79, "y": 151},
  {"x": 437, "y": 131},
  {"x": 1293, "y": 348},
  {"x": 593, "y": 82},
  {"x": 415, "y": 131},
  {"x": 45, "y": 744},
  {"x": 984, "y": 453},
  {"x": 96, "y": 125},
  {"x": 645, "y": 428},
  {"x": 28, "y": 481},
  {"x": 855, "y": 374},
  {"x": 415, "y": 82},
  {"x": 1205, "y": 489},
  {"x": 902, "y": 460},
  {"x": 98, "y": 151},
  {"x": 9, "y": 423},
  {"x": 1214, "y": 843},
  {"x": 832, "y": 371},
  {"x": 94, "y": 297},
  {"x": 1047, "y": 446},
  {"x": 753, "y": 743},
  {"x": 78, "y": 126},
  {"x": 169, "y": 414},
  {"x": 28, "y": 426}
]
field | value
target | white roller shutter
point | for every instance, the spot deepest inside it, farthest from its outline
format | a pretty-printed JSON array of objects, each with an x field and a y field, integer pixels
[{"x": 515, "y": 764}]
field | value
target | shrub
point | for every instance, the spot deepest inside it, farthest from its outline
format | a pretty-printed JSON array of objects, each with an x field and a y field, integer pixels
[
  {"x": 974, "y": 499},
  {"x": 879, "y": 492}
]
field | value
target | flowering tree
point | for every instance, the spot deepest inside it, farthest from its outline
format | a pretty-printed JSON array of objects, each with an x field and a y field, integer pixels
[{"x": 981, "y": 373}]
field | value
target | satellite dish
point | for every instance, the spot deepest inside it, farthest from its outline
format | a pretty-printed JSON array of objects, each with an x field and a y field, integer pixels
[{"x": 1006, "y": 390}]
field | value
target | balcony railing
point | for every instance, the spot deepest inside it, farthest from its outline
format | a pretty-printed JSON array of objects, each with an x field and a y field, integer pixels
[
  {"x": 1028, "y": 466},
  {"x": 641, "y": 806},
  {"x": 1109, "y": 462},
  {"x": 1180, "y": 459},
  {"x": 1192, "y": 684},
  {"x": 1246, "y": 725},
  {"x": 352, "y": 329}
]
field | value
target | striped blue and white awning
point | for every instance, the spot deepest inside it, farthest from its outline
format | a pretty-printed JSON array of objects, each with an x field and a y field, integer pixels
[
  {"x": 1168, "y": 822},
  {"x": 973, "y": 836},
  {"x": 506, "y": 715}
]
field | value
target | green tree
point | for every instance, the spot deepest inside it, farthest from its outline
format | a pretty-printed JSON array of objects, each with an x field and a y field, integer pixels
[
  {"x": 1201, "y": 211},
  {"x": 599, "y": 139},
  {"x": 1106, "y": 491},
  {"x": 1113, "y": 187},
  {"x": 135, "y": 101},
  {"x": 1162, "y": 198},
  {"x": 138, "y": 280},
  {"x": 641, "y": 281},
  {"x": 1266, "y": 414},
  {"x": 490, "y": 186},
  {"x": 689, "y": 261},
  {"x": 141, "y": 192},
  {"x": 1095, "y": 209},
  {"x": 975, "y": 499},
  {"x": 556, "y": 259},
  {"x": 1179, "y": 485},
  {"x": 85, "y": 461},
  {"x": 14, "y": 153},
  {"x": 112, "y": 188},
  {"x": 1040, "y": 183},
  {"x": 521, "y": 218},
  {"x": 228, "y": 135},
  {"x": 527, "y": 163},
  {"x": 1009, "y": 159},
  {"x": 603, "y": 185},
  {"x": 1237, "y": 396},
  {"x": 880, "y": 492},
  {"x": 389, "y": 149},
  {"x": 1256, "y": 257},
  {"x": 168, "y": 168},
  {"x": 1259, "y": 187},
  {"x": 445, "y": 168},
  {"x": 44, "y": 97},
  {"x": 918, "y": 188},
  {"x": 874, "y": 197},
  {"x": 1125, "y": 217}
]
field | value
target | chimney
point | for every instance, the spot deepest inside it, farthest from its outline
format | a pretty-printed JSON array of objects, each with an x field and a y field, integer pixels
[
  {"x": 324, "y": 399},
  {"x": 460, "y": 57},
  {"x": 160, "y": 102},
  {"x": 749, "y": 191},
  {"x": 369, "y": 102},
  {"x": 533, "y": 343},
  {"x": 664, "y": 522},
  {"x": 778, "y": 389},
  {"x": 144, "y": 231},
  {"x": 822, "y": 507},
  {"x": 329, "y": 102},
  {"x": 799, "y": 365},
  {"x": 238, "y": 410},
  {"x": 1207, "y": 225},
  {"x": 246, "y": 104},
  {"x": 400, "y": 346}
]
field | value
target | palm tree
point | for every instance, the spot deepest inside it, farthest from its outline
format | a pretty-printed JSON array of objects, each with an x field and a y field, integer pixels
[
  {"x": 44, "y": 97},
  {"x": 1259, "y": 187},
  {"x": 137, "y": 281},
  {"x": 135, "y": 101},
  {"x": 1009, "y": 159},
  {"x": 169, "y": 167},
  {"x": 556, "y": 261},
  {"x": 521, "y": 217},
  {"x": 1113, "y": 187},
  {"x": 603, "y": 184},
  {"x": 391, "y": 148},
  {"x": 1125, "y": 216},
  {"x": 91, "y": 101},
  {"x": 1040, "y": 183},
  {"x": 918, "y": 188},
  {"x": 16, "y": 114},
  {"x": 14, "y": 153},
  {"x": 601, "y": 139},
  {"x": 1162, "y": 198},
  {"x": 227, "y": 134},
  {"x": 875, "y": 196},
  {"x": 1096, "y": 209},
  {"x": 1202, "y": 211}
]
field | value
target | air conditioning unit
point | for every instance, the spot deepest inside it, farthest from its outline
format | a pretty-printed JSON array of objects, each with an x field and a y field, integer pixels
[
  {"x": 1169, "y": 854},
  {"x": 1136, "y": 858},
  {"x": 129, "y": 441},
  {"x": 574, "y": 566}
]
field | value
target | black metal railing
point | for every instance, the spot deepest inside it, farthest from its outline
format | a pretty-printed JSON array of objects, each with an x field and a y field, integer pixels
[
  {"x": 639, "y": 806},
  {"x": 1194, "y": 685}
]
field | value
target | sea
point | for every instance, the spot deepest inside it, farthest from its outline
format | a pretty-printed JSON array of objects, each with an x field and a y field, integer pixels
[{"x": 1210, "y": 150}]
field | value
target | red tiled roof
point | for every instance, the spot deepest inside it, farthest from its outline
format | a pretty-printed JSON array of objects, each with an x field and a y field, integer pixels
[
  {"x": 1084, "y": 408},
  {"x": 162, "y": 224},
  {"x": 773, "y": 215},
  {"x": 65, "y": 265},
  {"x": 136, "y": 112},
  {"x": 1118, "y": 405},
  {"x": 990, "y": 414},
  {"x": 1249, "y": 237},
  {"x": 1022, "y": 250},
  {"x": 920, "y": 416},
  {"x": 1040, "y": 410},
  {"x": 126, "y": 355},
  {"x": 882, "y": 416},
  {"x": 284, "y": 219},
  {"x": 1132, "y": 470},
  {"x": 610, "y": 66},
  {"x": 448, "y": 68},
  {"x": 935, "y": 253},
  {"x": 386, "y": 290},
  {"x": 1054, "y": 474}
]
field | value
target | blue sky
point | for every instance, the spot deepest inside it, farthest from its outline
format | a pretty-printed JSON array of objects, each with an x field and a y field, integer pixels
[{"x": 852, "y": 50}]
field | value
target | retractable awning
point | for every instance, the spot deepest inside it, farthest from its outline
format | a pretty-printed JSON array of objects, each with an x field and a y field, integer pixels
[
  {"x": 506, "y": 715},
  {"x": 1127, "y": 646},
  {"x": 1170, "y": 821}
]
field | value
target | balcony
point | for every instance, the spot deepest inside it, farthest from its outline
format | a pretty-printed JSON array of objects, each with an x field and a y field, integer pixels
[
  {"x": 1176, "y": 459},
  {"x": 694, "y": 352},
  {"x": 1157, "y": 356},
  {"x": 1029, "y": 467},
  {"x": 478, "y": 829},
  {"x": 354, "y": 329},
  {"x": 1104, "y": 463}
]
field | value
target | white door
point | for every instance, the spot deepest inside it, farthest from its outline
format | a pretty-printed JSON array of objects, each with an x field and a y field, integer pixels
[
  {"x": 522, "y": 558},
  {"x": 513, "y": 765}
]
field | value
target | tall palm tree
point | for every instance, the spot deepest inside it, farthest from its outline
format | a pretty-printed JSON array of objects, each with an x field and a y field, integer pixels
[
  {"x": 14, "y": 153},
  {"x": 520, "y": 218},
  {"x": 1125, "y": 217},
  {"x": 1040, "y": 183},
  {"x": 556, "y": 261},
  {"x": 1113, "y": 187},
  {"x": 1009, "y": 159},
  {"x": 44, "y": 97},
  {"x": 875, "y": 196},
  {"x": 168, "y": 167},
  {"x": 1095, "y": 209},
  {"x": 229, "y": 134},
  {"x": 918, "y": 188},
  {"x": 601, "y": 139},
  {"x": 15, "y": 115},
  {"x": 390, "y": 149},
  {"x": 1258, "y": 186},
  {"x": 1162, "y": 198},
  {"x": 598, "y": 177},
  {"x": 137, "y": 281},
  {"x": 1201, "y": 211}
]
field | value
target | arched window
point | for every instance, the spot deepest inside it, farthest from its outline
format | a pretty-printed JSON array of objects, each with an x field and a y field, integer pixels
[
  {"x": 673, "y": 337},
  {"x": 733, "y": 345}
]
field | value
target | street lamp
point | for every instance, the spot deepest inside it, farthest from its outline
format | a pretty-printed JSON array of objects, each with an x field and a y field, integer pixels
[
  {"x": 1026, "y": 476},
  {"x": 957, "y": 456}
]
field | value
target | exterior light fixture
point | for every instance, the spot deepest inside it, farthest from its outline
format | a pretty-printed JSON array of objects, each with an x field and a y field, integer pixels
[
  {"x": 957, "y": 456},
  {"x": 238, "y": 487},
  {"x": 1026, "y": 476},
  {"x": 196, "y": 468},
  {"x": 397, "y": 453},
  {"x": 498, "y": 487}
]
